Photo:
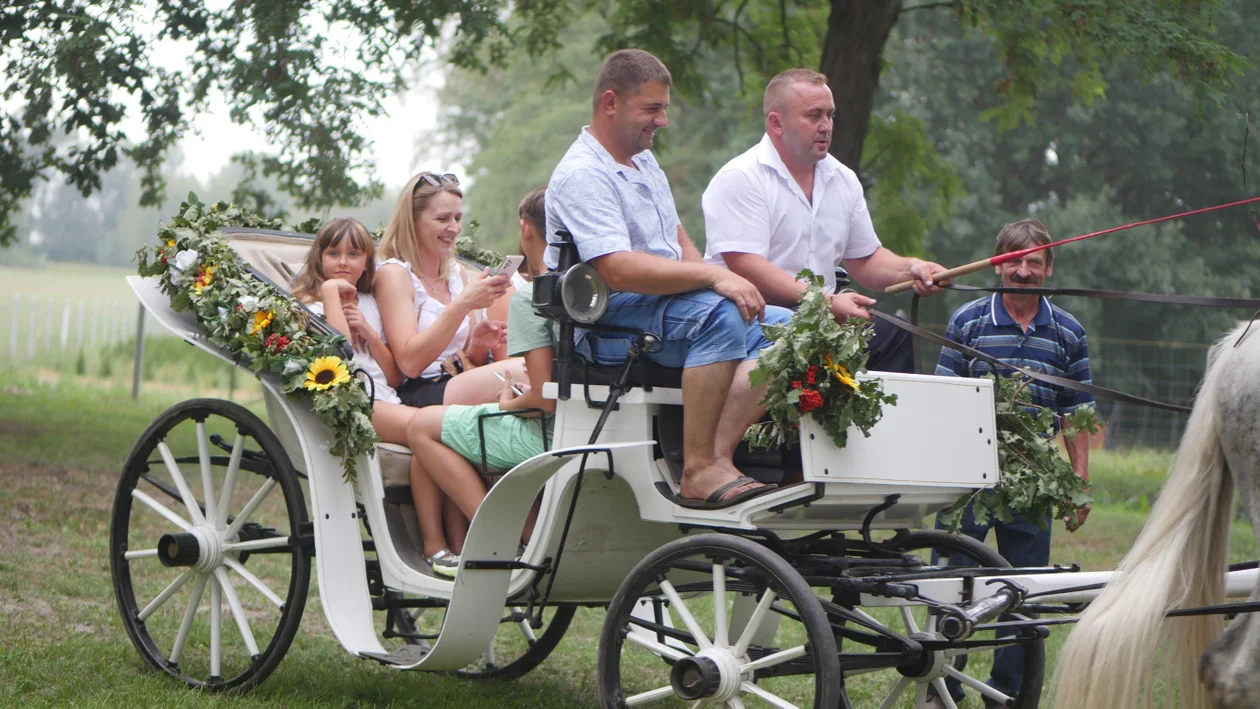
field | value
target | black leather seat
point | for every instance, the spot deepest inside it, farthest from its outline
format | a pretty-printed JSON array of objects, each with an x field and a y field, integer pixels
[{"x": 643, "y": 374}]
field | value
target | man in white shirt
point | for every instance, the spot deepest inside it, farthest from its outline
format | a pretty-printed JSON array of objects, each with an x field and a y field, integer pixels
[{"x": 787, "y": 204}]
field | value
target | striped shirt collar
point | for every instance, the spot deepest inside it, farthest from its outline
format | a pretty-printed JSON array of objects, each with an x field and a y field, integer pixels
[{"x": 1000, "y": 316}]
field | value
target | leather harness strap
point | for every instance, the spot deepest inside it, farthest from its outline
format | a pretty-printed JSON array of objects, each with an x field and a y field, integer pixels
[{"x": 1031, "y": 374}]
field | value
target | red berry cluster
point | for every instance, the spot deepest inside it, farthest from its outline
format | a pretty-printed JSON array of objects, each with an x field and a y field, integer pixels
[
  {"x": 810, "y": 399},
  {"x": 796, "y": 384},
  {"x": 276, "y": 342},
  {"x": 811, "y": 375}
]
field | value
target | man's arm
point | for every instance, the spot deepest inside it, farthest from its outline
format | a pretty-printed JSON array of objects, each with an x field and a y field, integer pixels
[
  {"x": 884, "y": 268},
  {"x": 687, "y": 248},
  {"x": 652, "y": 275},
  {"x": 1068, "y": 401},
  {"x": 781, "y": 288}
]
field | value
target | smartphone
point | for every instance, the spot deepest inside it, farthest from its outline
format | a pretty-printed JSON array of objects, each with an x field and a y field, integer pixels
[
  {"x": 510, "y": 265},
  {"x": 519, "y": 391}
]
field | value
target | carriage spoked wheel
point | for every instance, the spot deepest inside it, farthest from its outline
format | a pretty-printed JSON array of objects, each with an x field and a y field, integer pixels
[
  {"x": 209, "y": 570},
  {"x": 517, "y": 647},
  {"x": 725, "y": 592},
  {"x": 908, "y": 686}
]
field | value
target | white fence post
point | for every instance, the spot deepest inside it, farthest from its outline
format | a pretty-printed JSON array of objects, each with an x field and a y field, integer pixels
[
  {"x": 48, "y": 323},
  {"x": 78, "y": 335},
  {"x": 96, "y": 321},
  {"x": 137, "y": 372},
  {"x": 65, "y": 323},
  {"x": 30, "y": 336},
  {"x": 13, "y": 326}
]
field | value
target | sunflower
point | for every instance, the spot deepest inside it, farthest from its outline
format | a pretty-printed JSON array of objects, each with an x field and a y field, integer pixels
[
  {"x": 325, "y": 373},
  {"x": 262, "y": 318},
  {"x": 842, "y": 374}
]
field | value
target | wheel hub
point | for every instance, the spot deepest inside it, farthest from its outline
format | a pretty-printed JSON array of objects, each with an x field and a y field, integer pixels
[
  {"x": 200, "y": 547},
  {"x": 929, "y": 666},
  {"x": 713, "y": 672}
]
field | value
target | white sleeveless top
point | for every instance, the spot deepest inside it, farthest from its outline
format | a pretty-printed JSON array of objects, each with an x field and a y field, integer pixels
[
  {"x": 364, "y": 360},
  {"x": 428, "y": 309}
]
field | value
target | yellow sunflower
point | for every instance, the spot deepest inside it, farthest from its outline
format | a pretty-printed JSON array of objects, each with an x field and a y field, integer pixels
[
  {"x": 325, "y": 373},
  {"x": 262, "y": 318},
  {"x": 842, "y": 374}
]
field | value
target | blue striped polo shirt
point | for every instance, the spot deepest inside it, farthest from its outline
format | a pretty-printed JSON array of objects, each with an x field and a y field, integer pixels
[{"x": 1055, "y": 343}]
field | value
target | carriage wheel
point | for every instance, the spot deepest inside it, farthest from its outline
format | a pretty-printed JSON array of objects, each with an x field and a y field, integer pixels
[
  {"x": 911, "y": 687},
  {"x": 710, "y": 659},
  {"x": 178, "y": 559},
  {"x": 516, "y": 648}
]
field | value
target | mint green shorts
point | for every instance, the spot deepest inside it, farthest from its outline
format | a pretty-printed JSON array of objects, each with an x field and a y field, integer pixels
[{"x": 510, "y": 440}]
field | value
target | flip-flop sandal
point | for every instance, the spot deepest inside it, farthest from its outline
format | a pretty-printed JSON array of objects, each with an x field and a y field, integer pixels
[{"x": 715, "y": 500}]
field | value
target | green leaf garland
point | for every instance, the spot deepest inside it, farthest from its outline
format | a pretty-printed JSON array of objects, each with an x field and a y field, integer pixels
[
  {"x": 1036, "y": 481},
  {"x": 261, "y": 328}
]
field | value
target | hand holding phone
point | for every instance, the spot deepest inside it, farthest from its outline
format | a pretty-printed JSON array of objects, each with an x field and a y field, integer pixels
[
  {"x": 510, "y": 265},
  {"x": 519, "y": 391}
]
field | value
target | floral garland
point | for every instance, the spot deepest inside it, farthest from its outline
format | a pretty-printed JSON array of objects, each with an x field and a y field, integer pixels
[
  {"x": 810, "y": 369},
  {"x": 260, "y": 327}
]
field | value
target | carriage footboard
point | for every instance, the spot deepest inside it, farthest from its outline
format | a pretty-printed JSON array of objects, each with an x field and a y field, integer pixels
[{"x": 486, "y": 566}]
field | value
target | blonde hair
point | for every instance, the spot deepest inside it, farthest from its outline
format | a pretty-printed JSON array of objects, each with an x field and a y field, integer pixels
[
  {"x": 400, "y": 236},
  {"x": 306, "y": 283}
]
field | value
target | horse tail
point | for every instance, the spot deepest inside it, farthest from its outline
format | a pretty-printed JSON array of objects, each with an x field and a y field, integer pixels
[{"x": 1178, "y": 561}]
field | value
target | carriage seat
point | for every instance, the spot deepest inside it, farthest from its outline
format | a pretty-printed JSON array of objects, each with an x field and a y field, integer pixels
[{"x": 644, "y": 372}]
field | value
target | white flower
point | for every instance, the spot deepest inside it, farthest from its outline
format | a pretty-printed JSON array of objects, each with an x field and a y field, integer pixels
[
  {"x": 292, "y": 367},
  {"x": 185, "y": 260},
  {"x": 223, "y": 312},
  {"x": 249, "y": 302}
]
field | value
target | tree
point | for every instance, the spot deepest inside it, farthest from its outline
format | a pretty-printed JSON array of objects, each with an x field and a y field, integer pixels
[{"x": 306, "y": 73}]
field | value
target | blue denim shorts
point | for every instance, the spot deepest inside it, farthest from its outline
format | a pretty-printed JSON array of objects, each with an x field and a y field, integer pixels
[{"x": 696, "y": 329}]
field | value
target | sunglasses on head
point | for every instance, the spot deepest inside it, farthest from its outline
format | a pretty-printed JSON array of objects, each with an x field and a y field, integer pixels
[{"x": 437, "y": 180}]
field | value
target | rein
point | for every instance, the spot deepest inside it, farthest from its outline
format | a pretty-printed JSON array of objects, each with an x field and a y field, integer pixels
[{"x": 1105, "y": 392}]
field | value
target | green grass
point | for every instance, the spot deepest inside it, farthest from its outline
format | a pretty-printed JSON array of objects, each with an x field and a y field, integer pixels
[{"x": 62, "y": 643}]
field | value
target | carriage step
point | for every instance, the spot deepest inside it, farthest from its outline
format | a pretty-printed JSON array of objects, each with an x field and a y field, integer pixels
[{"x": 405, "y": 656}]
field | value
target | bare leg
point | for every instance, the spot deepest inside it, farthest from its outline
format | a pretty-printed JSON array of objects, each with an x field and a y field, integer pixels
[
  {"x": 428, "y": 499},
  {"x": 390, "y": 421},
  {"x": 456, "y": 526},
  {"x": 449, "y": 470},
  {"x": 705, "y": 392},
  {"x": 480, "y": 386},
  {"x": 740, "y": 411}
]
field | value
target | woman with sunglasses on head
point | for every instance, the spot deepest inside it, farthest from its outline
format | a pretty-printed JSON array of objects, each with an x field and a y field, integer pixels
[{"x": 429, "y": 306}]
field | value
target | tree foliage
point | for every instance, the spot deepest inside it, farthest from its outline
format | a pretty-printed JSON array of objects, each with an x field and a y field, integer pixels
[
  {"x": 306, "y": 74},
  {"x": 80, "y": 70}
]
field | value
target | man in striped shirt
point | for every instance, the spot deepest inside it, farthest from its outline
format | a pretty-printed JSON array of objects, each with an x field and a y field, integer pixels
[{"x": 1031, "y": 332}]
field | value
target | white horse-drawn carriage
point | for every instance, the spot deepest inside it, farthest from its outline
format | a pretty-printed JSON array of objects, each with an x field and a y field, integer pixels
[{"x": 796, "y": 598}]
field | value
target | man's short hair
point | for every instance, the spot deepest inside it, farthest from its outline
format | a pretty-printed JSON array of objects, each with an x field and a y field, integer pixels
[
  {"x": 776, "y": 90},
  {"x": 626, "y": 70},
  {"x": 1024, "y": 234}
]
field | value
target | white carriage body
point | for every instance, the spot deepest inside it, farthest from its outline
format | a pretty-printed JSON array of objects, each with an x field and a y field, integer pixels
[
  {"x": 937, "y": 443},
  {"x": 619, "y": 517}
]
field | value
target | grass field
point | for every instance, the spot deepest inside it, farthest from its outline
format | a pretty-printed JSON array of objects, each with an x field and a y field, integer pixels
[{"x": 62, "y": 643}]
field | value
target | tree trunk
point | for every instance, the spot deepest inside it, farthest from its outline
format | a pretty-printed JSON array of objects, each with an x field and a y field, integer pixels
[{"x": 856, "y": 33}]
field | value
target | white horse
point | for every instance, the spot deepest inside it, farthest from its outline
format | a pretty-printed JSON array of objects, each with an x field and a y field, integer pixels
[{"x": 1123, "y": 641}]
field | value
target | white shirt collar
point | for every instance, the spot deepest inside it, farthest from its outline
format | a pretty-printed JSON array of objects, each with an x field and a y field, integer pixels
[{"x": 768, "y": 155}]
